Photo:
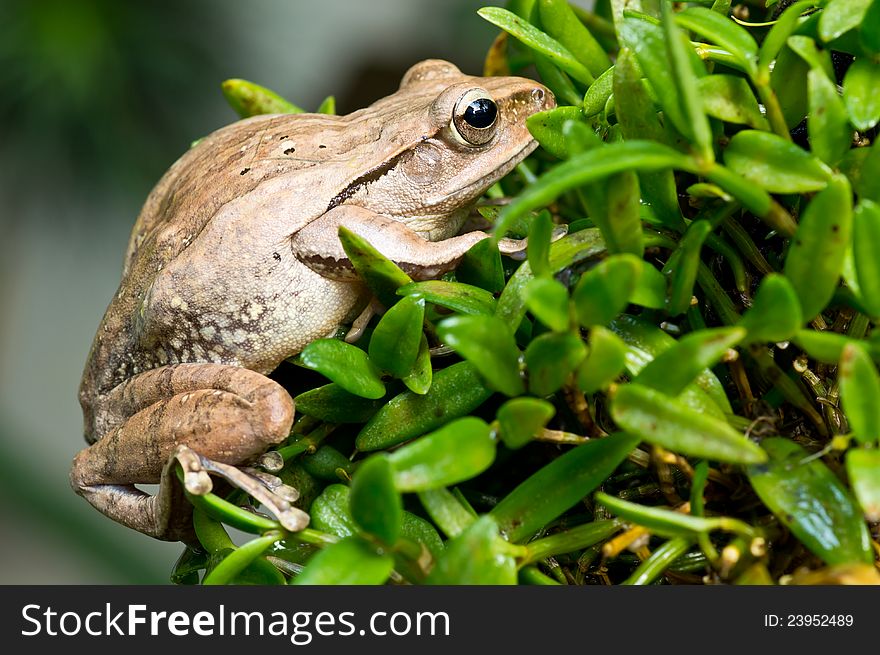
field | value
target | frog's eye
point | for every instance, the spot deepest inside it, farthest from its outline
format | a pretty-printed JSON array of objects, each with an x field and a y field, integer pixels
[{"x": 475, "y": 117}]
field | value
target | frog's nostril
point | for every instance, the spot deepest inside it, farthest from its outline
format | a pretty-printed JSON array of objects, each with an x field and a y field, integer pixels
[{"x": 538, "y": 95}]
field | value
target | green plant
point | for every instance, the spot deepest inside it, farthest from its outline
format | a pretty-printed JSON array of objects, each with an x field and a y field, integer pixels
[{"x": 691, "y": 369}]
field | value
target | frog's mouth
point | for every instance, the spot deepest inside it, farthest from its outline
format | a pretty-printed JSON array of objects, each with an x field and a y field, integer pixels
[{"x": 475, "y": 189}]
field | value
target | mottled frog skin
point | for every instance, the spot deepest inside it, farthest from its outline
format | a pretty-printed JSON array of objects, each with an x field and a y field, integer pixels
[{"x": 234, "y": 264}]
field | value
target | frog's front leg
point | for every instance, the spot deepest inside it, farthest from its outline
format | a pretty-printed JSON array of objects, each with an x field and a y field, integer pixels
[
  {"x": 317, "y": 245},
  {"x": 207, "y": 417}
]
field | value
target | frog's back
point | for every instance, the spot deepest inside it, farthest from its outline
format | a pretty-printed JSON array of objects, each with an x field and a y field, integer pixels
[{"x": 225, "y": 165}]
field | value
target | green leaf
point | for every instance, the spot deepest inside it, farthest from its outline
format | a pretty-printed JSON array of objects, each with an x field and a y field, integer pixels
[
  {"x": 819, "y": 60},
  {"x": 683, "y": 265},
  {"x": 863, "y": 470},
  {"x": 546, "y": 127},
  {"x": 478, "y": 556},
  {"x": 239, "y": 559},
  {"x": 232, "y": 515},
  {"x": 567, "y": 251},
  {"x": 840, "y": 16},
  {"x": 669, "y": 523},
  {"x": 446, "y": 510},
  {"x": 662, "y": 52},
  {"x": 869, "y": 32},
  {"x": 417, "y": 529},
  {"x": 487, "y": 343},
  {"x": 620, "y": 221},
  {"x": 708, "y": 190},
  {"x": 326, "y": 463},
  {"x": 395, "y": 342},
  {"x": 560, "y": 485},
  {"x": 660, "y": 419},
  {"x": 661, "y": 559},
  {"x": 186, "y": 569},
  {"x": 604, "y": 291},
  {"x": 826, "y": 347},
  {"x": 210, "y": 532},
  {"x": 722, "y": 31},
  {"x": 418, "y": 379},
  {"x": 860, "y": 95},
  {"x": 571, "y": 541},
  {"x": 560, "y": 22},
  {"x": 597, "y": 95},
  {"x": 635, "y": 107},
  {"x": 619, "y": 9},
  {"x": 557, "y": 81},
  {"x": 538, "y": 41},
  {"x": 775, "y": 314},
  {"x": 539, "y": 243},
  {"x": 333, "y": 404},
  {"x": 330, "y": 512},
  {"x": 810, "y": 500},
  {"x": 351, "y": 561},
  {"x": 860, "y": 392},
  {"x": 780, "y": 31},
  {"x": 455, "y": 391},
  {"x": 815, "y": 258},
  {"x": 730, "y": 98},
  {"x": 614, "y": 204},
  {"x": 650, "y": 288},
  {"x": 249, "y": 99},
  {"x": 481, "y": 267},
  {"x": 646, "y": 341},
  {"x": 866, "y": 236},
  {"x": 587, "y": 167},
  {"x": 827, "y": 122},
  {"x": 548, "y": 299},
  {"x": 456, "y": 452},
  {"x": 674, "y": 369},
  {"x": 775, "y": 164},
  {"x": 381, "y": 274},
  {"x": 788, "y": 82},
  {"x": 459, "y": 297},
  {"x": 520, "y": 419},
  {"x": 327, "y": 106},
  {"x": 550, "y": 359},
  {"x": 346, "y": 365},
  {"x": 865, "y": 171},
  {"x": 376, "y": 505},
  {"x": 604, "y": 362},
  {"x": 638, "y": 119}
]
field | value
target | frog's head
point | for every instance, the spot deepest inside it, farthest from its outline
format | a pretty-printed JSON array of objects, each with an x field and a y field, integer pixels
[{"x": 456, "y": 136}]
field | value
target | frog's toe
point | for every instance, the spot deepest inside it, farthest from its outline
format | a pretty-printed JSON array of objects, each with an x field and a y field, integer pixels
[
  {"x": 558, "y": 232},
  {"x": 195, "y": 478},
  {"x": 270, "y": 461},
  {"x": 266, "y": 489},
  {"x": 515, "y": 248},
  {"x": 274, "y": 484}
]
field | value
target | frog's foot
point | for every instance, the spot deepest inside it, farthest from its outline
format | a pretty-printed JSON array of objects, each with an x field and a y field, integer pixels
[
  {"x": 516, "y": 248},
  {"x": 265, "y": 488},
  {"x": 359, "y": 325},
  {"x": 558, "y": 232},
  {"x": 207, "y": 417},
  {"x": 317, "y": 245}
]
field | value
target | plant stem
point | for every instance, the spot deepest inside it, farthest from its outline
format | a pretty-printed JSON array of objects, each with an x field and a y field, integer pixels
[{"x": 659, "y": 561}]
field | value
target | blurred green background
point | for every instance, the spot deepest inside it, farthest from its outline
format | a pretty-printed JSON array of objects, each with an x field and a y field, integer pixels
[{"x": 97, "y": 99}]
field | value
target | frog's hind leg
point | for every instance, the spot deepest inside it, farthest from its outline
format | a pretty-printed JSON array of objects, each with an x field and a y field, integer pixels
[{"x": 207, "y": 417}]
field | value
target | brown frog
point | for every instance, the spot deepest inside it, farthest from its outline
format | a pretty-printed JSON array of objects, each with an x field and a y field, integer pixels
[{"x": 235, "y": 264}]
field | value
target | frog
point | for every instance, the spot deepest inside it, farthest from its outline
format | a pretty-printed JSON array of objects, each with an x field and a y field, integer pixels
[{"x": 234, "y": 265}]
